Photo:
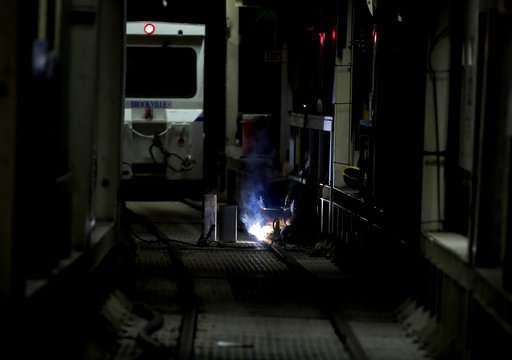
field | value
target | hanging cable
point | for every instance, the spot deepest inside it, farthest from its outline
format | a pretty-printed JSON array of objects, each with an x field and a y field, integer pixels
[{"x": 186, "y": 163}]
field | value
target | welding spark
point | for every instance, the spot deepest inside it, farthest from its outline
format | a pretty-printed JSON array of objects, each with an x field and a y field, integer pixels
[
  {"x": 252, "y": 217},
  {"x": 260, "y": 232}
]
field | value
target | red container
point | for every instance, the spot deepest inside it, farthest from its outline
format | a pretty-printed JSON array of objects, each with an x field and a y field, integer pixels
[{"x": 252, "y": 127}]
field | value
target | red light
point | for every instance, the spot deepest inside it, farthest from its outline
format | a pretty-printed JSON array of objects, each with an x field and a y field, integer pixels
[
  {"x": 333, "y": 34},
  {"x": 149, "y": 29},
  {"x": 322, "y": 39}
]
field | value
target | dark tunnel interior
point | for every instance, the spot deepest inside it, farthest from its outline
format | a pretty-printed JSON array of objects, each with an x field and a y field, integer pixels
[{"x": 256, "y": 179}]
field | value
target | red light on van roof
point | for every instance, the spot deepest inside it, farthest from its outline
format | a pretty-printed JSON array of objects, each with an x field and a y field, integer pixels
[{"x": 149, "y": 29}]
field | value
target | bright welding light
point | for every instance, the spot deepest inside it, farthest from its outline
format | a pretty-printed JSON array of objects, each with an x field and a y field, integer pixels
[
  {"x": 149, "y": 29},
  {"x": 260, "y": 232}
]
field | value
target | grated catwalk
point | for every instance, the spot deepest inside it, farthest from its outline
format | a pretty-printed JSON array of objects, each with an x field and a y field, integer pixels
[{"x": 245, "y": 302}]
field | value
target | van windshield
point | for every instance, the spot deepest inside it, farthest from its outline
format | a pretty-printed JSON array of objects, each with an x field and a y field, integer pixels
[{"x": 160, "y": 72}]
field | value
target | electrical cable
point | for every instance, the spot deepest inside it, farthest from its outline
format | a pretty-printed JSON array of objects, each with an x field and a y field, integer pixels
[
  {"x": 186, "y": 164},
  {"x": 161, "y": 238},
  {"x": 204, "y": 240}
]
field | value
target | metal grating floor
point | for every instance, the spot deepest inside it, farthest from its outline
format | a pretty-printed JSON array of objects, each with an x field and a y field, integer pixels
[
  {"x": 158, "y": 292},
  {"x": 233, "y": 262},
  {"x": 251, "y": 305},
  {"x": 186, "y": 232},
  {"x": 266, "y": 338},
  {"x": 318, "y": 265},
  {"x": 385, "y": 341},
  {"x": 152, "y": 260}
]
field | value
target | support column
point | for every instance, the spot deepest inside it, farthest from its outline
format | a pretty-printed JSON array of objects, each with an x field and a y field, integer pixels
[
  {"x": 491, "y": 161},
  {"x": 8, "y": 99},
  {"x": 232, "y": 57},
  {"x": 110, "y": 95},
  {"x": 82, "y": 88},
  {"x": 343, "y": 106}
]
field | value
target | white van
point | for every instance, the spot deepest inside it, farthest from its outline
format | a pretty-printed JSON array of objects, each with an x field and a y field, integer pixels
[{"x": 163, "y": 117}]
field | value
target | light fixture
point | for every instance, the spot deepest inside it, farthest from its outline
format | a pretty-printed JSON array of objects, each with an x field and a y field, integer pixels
[
  {"x": 322, "y": 39},
  {"x": 149, "y": 29}
]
